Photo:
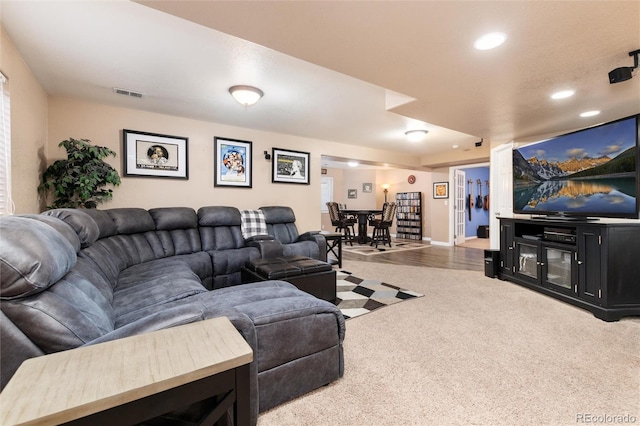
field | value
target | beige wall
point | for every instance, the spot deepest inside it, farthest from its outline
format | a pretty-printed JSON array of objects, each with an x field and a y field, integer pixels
[
  {"x": 103, "y": 125},
  {"x": 40, "y": 122},
  {"x": 28, "y": 127},
  {"x": 440, "y": 210},
  {"x": 397, "y": 181}
]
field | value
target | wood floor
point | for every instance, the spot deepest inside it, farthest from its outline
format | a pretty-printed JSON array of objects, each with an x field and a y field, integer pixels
[{"x": 471, "y": 259}]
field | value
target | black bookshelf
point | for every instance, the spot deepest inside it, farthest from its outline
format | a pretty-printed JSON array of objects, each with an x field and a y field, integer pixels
[{"x": 409, "y": 215}]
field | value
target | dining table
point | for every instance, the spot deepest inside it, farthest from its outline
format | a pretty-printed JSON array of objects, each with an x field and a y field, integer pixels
[{"x": 363, "y": 216}]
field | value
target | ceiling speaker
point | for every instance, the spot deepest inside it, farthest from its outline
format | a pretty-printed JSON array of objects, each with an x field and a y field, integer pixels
[{"x": 620, "y": 74}]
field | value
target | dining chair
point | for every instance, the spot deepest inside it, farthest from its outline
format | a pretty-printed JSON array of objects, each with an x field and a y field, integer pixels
[
  {"x": 381, "y": 226},
  {"x": 341, "y": 222}
]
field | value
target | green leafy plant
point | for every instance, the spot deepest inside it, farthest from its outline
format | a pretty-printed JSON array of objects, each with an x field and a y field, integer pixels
[{"x": 79, "y": 180}]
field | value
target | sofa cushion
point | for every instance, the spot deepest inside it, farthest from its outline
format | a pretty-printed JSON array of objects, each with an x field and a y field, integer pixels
[
  {"x": 220, "y": 228},
  {"x": 152, "y": 285},
  {"x": 170, "y": 218},
  {"x": 74, "y": 311},
  {"x": 131, "y": 220},
  {"x": 253, "y": 223},
  {"x": 60, "y": 226},
  {"x": 85, "y": 227},
  {"x": 281, "y": 223},
  {"x": 290, "y": 324},
  {"x": 228, "y": 263},
  {"x": 103, "y": 220},
  {"x": 33, "y": 256}
]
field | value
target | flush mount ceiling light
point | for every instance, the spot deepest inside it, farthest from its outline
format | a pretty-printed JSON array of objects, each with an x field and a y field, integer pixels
[
  {"x": 490, "y": 41},
  {"x": 246, "y": 95},
  {"x": 353, "y": 164},
  {"x": 563, "y": 94},
  {"x": 416, "y": 135}
]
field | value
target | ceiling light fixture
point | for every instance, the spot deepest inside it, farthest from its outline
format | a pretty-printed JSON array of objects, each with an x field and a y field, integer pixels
[
  {"x": 416, "y": 135},
  {"x": 563, "y": 94},
  {"x": 624, "y": 73},
  {"x": 353, "y": 164},
  {"x": 490, "y": 41},
  {"x": 589, "y": 114},
  {"x": 246, "y": 95}
]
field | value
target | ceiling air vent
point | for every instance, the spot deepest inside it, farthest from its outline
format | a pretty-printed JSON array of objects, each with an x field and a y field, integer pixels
[{"x": 126, "y": 93}]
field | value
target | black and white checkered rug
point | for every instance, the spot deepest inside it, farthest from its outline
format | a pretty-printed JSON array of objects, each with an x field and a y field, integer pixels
[{"x": 357, "y": 296}]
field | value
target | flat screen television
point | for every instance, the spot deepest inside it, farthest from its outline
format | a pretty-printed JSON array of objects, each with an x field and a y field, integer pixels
[{"x": 590, "y": 173}]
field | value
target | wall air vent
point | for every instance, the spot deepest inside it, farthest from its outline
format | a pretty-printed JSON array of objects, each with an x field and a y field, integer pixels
[{"x": 127, "y": 93}]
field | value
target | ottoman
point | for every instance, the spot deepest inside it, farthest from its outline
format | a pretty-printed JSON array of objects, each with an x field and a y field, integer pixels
[{"x": 310, "y": 275}]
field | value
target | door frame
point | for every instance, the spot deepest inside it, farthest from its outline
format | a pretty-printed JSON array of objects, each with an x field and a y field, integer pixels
[
  {"x": 459, "y": 207},
  {"x": 452, "y": 212}
]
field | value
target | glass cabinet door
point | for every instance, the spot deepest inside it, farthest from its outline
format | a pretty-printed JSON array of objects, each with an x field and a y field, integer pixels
[
  {"x": 558, "y": 267},
  {"x": 527, "y": 260}
]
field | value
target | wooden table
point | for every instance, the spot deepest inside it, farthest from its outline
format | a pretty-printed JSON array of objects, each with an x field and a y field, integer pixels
[
  {"x": 363, "y": 217},
  {"x": 129, "y": 380}
]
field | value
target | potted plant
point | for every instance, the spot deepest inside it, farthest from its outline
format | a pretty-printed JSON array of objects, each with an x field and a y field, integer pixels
[{"x": 79, "y": 181}]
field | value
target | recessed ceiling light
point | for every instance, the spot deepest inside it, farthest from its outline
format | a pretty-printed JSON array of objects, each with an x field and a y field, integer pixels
[
  {"x": 563, "y": 94},
  {"x": 589, "y": 113},
  {"x": 490, "y": 41},
  {"x": 416, "y": 135},
  {"x": 353, "y": 164},
  {"x": 455, "y": 146}
]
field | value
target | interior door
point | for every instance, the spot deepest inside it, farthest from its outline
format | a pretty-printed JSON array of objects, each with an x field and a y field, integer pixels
[{"x": 459, "y": 207}]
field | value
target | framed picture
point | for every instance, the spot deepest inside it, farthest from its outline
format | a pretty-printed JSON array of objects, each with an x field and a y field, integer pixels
[
  {"x": 290, "y": 166},
  {"x": 154, "y": 155},
  {"x": 232, "y": 159},
  {"x": 367, "y": 187},
  {"x": 441, "y": 190},
  {"x": 352, "y": 193}
]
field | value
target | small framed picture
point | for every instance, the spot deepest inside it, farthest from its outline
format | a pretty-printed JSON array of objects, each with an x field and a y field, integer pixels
[
  {"x": 154, "y": 155},
  {"x": 232, "y": 159},
  {"x": 290, "y": 166},
  {"x": 441, "y": 190},
  {"x": 367, "y": 187},
  {"x": 352, "y": 193}
]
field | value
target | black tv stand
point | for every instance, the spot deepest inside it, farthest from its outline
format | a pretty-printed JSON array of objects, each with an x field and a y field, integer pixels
[
  {"x": 565, "y": 218},
  {"x": 592, "y": 265}
]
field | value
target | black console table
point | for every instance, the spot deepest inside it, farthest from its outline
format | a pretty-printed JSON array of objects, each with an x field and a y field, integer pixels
[{"x": 593, "y": 265}]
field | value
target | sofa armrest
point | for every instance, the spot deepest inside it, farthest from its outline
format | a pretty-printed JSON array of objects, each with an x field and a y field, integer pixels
[
  {"x": 307, "y": 235},
  {"x": 268, "y": 248},
  {"x": 261, "y": 237},
  {"x": 319, "y": 239}
]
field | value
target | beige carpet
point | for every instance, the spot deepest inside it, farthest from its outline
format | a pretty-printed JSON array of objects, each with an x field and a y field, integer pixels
[{"x": 474, "y": 351}]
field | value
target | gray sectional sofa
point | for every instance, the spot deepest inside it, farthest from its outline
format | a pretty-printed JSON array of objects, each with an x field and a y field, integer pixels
[{"x": 71, "y": 278}]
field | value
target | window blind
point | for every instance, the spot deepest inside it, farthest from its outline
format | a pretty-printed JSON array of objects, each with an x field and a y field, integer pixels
[{"x": 6, "y": 203}]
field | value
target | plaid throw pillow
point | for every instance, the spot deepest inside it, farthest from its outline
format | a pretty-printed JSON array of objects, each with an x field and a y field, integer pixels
[{"x": 253, "y": 223}]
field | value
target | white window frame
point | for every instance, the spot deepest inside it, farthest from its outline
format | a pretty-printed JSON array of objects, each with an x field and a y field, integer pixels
[{"x": 6, "y": 203}]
